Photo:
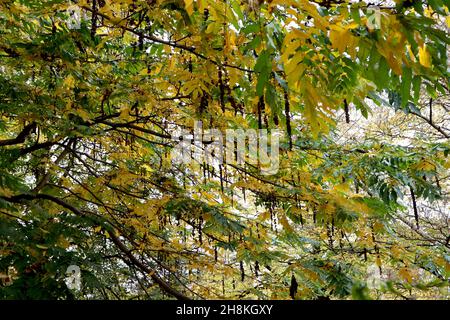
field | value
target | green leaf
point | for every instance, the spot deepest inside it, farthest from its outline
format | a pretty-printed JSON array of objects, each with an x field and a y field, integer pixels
[
  {"x": 416, "y": 88},
  {"x": 405, "y": 88},
  {"x": 237, "y": 9},
  {"x": 264, "y": 67}
]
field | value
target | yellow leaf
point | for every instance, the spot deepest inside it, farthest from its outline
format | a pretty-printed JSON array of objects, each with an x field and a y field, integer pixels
[
  {"x": 378, "y": 227},
  {"x": 212, "y": 27},
  {"x": 405, "y": 274},
  {"x": 69, "y": 82},
  {"x": 124, "y": 114},
  {"x": 342, "y": 187},
  {"x": 264, "y": 216},
  {"x": 201, "y": 5},
  {"x": 339, "y": 38},
  {"x": 442, "y": 262},
  {"x": 410, "y": 53},
  {"x": 328, "y": 208},
  {"x": 63, "y": 242},
  {"x": 147, "y": 168},
  {"x": 143, "y": 72},
  {"x": 396, "y": 251},
  {"x": 285, "y": 223},
  {"x": 6, "y": 192},
  {"x": 83, "y": 114},
  {"x": 189, "y": 6},
  {"x": 378, "y": 262},
  {"x": 424, "y": 57},
  {"x": 426, "y": 166},
  {"x": 105, "y": 10}
]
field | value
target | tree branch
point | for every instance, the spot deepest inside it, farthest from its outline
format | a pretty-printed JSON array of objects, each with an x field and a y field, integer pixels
[
  {"x": 121, "y": 246},
  {"x": 431, "y": 123},
  {"x": 21, "y": 136}
]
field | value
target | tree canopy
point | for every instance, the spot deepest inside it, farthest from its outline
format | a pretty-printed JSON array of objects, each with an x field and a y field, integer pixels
[{"x": 92, "y": 91}]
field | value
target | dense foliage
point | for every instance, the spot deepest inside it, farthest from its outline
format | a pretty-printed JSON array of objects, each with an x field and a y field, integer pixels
[{"x": 92, "y": 90}]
